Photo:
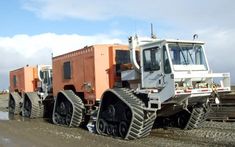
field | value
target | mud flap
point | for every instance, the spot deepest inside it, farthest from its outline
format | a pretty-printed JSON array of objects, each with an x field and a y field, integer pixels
[
  {"x": 14, "y": 103},
  {"x": 32, "y": 105}
]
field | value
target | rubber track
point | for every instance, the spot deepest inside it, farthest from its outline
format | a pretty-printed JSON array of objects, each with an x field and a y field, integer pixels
[
  {"x": 196, "y": 118},
  {"x": 17, "y": 98},
  {"x": 78, "y": 108},
  {"x": 149, "y": 119},
  {"x": 140, "y": 126},
  {"x": 148, "y": 123},
  {"x": 37, "y": 108}
]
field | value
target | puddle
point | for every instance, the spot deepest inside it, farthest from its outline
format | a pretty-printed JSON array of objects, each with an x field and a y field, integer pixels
[
  {"x": 7, "y": 116},
  {"x": 91, "y": 125},
  {"x": 4, "y": 116},
  {"x": 5, "y": 140}
]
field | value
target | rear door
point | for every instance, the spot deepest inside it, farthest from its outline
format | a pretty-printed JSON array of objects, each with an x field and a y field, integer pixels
[{"x": 89, "y": 80}]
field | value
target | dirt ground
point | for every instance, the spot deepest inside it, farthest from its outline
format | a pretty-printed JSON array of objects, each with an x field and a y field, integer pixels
[{"x": 21, "y": 132}]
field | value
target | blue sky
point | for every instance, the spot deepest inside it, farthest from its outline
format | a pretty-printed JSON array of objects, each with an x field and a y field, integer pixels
[
  {"x": 30, "y": 30},
  {"x": 18, "y": 20}
]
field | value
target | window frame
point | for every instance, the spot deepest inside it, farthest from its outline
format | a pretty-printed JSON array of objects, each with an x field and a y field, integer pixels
[
  {"x": 67, "y": 70},
  {"x": 166, "y": 58},
  {"x": 152, "y": 56},
  {"x": 14, "y": 80}
]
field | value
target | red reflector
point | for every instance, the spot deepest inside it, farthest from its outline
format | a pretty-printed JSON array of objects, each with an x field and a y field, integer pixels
[
  {"x": 188, "y": 91},
  {"x": 204, "y": 90}
]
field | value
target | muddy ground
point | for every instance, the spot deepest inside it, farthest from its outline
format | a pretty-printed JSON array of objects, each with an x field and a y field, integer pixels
[{"x": 21, "y": 132}]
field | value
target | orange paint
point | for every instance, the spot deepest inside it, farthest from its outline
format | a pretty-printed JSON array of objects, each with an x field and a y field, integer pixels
[
  {"x": 23, "y": 79},
  {"x": 92, "y": 71}
]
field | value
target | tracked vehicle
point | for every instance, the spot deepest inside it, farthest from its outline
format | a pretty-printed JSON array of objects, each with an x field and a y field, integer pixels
[
  {"x": 30, "y": 90},
  {"x": 155, "y": 81},
  {"x": 170, "y": 84},
  {"x": 80, "y": 79}
]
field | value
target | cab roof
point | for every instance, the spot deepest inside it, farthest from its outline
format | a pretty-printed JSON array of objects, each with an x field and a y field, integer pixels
[{"x": 158, "y": 41}]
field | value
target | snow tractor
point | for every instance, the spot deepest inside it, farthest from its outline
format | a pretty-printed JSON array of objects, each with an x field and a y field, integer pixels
[
  {"x": 29, "y": 88},
  {"x": 154, "y": 81}
]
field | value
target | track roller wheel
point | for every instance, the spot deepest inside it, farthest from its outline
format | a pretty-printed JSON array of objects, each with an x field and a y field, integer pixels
[
  {"x": 110, "y": 130},
  {"x": 14, "y": 103},
  {"x": 180, "y": 119},
  {"x": 122, "y": 128},
  {"x": 68, "y": 109},
  {"x": 102, "y": 125}
]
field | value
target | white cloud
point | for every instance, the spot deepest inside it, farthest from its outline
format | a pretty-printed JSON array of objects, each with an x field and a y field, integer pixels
[
  {"x": 212, "y": 20},
  {"x": 181, "y": 12},
  {"x": 27, "y": 46},
  {"x": 58, "y": 9},
  {"x": 22, "y": 49}
]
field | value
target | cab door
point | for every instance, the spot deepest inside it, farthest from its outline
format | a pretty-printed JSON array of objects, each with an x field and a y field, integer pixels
[{"x": 152, "y": 76}]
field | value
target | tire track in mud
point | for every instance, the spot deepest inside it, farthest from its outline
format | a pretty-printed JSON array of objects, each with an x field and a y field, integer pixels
[
  {"x": 210, "y": 134},
  {"x": 219, "y": 125}
]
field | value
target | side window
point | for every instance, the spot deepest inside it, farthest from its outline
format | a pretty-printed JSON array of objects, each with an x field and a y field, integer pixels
[
  {"x": 14, "y": 80},
  {"x": 41, "y": 74},
  {"x": 152, "y": 58},
  {"x": 199, "y": 56},
  {"x": 167, "y": 66},
  {"x": 122, "y": 57},
  {"x": 67, "y": 70},
  {"x": 46, "y": 77}
]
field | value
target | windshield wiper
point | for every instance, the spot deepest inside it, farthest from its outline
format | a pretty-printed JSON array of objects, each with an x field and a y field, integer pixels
[{"x": 182, "y": 54}]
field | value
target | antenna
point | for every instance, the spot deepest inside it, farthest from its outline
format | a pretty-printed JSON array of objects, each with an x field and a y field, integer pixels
[{"x": 153, "y": 36}]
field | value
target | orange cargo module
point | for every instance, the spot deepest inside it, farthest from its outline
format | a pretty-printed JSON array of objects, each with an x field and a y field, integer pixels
[
  {"x": 29, "y": 87},
  {"x": 89, "y": 71},
  {"x": 23, "y": 79}
]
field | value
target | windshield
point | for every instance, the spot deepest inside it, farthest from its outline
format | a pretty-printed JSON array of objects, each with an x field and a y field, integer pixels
[
  {"x": 44, "y": 75},
  {"x": 186, "y": 54}
]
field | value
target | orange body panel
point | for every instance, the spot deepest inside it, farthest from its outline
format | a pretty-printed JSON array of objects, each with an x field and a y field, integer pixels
[
  {"x": 92, "y": 71},
  {"x": 23, "y": 79}
]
